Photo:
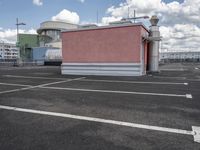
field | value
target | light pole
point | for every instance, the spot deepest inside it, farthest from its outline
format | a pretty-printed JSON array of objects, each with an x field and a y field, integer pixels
[{"x": 18, "y": 24}]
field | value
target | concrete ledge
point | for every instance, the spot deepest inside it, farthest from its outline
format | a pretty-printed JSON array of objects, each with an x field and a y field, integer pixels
[{"x": 107, "y": 69}]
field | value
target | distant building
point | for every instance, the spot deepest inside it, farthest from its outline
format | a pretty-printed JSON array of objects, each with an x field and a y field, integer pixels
[
  {"x": 180, "y": 56},
  {"x": 46, "y": 55},
  {"x": 34, "y": 46},
  {"x": 26, "y": 43},
  {"x": 50, "y": 33},
  {"x": 8, "y": 52}
]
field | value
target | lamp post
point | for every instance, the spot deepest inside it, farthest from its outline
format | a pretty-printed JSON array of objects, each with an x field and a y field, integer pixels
[{"x": 18, "y": 24}]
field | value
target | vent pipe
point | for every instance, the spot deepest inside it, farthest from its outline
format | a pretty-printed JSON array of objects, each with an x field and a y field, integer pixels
[{"x": 154, "y": 45}]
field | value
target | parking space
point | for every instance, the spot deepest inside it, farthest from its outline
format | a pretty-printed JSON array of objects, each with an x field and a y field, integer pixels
[
  {"x": 25, "y": 81},
  {"x": 149, "y": 110},
  {"x": 48, "y": 111},
  {"x": 179, "y": 89},
  {"x": 43, "y": 132}
]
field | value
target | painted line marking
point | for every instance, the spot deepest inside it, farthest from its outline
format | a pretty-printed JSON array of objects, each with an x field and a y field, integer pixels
[
  {"x": 181, "y": 78},
  {"x": 189, "y": 96},
  {"x": 69, "y": 80},
  {"x": 11, "y": 84},
  {"x": 135, "y": 82},
  {"x": 40, "y": 86},
  {"x": 118, "y": 92},
  {"x": 91, "y": 80},
  {"x": 32, "y": 77},
  {"x": 174, "y": 69},
  {"x": 106, "y": 121},
  {"x": 196, "y": 133}
]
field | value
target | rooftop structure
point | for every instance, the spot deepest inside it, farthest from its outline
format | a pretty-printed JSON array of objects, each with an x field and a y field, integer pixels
[
  {"x": 49, "y": 32},
  {"x": 122, "y": 48},
  {"x": 26, "y": 43},
  {"x": 116, "y": 49}
]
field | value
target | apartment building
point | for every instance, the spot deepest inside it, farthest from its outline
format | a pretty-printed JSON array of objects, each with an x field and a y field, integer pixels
[{"x": 8, "y": 51}]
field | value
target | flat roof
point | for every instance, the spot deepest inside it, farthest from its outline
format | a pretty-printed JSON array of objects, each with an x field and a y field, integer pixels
[
  {"x": 50, "y": 21},
  {"x": 107, "y": 27},
  {"x": 55, "y": 25}
]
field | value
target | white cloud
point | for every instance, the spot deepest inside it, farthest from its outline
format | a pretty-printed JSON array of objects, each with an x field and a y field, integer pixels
[
  {"x": 106, "y": 20},
  {"x": 10, "y": 35},
  {"x": 180, "y": 22},
  {"x": 38, "y": 2},
  {"x": 172, "y": 12},
  {"x": 181, "y": 37},
  {"x": 67, "y": 16}
]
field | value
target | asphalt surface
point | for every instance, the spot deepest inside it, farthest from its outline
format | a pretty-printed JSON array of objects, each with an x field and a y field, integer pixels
[{"x": 22, "y": 131}]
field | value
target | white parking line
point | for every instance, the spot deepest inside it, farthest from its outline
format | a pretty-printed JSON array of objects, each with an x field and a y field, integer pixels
[
  {"x": 11, "y": 84},
  {"x": 118, "y": 92},
  {"x": 91, "y": 80},
  {"x": 194, "y": 133},
  {"x": 69, "y": 80},
  {"x": 39, "y": 86},
  {"x": 135, "y": 82},
  {"x": 32, "y": 77},
  {"x": 163, "y": 77},
  {"x": 174, "y": 69}
]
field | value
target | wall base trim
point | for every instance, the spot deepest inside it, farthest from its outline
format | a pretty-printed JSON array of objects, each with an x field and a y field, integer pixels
[{"x": 106, "y": 69}]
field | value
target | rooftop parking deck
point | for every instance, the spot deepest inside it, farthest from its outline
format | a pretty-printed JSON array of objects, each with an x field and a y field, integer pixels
[{"x": 42, "y": 109}]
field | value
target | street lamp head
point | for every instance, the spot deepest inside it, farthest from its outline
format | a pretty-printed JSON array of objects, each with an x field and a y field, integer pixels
[{"x": 18, "y": 24}]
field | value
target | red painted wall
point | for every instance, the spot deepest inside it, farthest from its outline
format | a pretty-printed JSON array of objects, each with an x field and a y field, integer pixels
[{"x": 110, "y": 45}]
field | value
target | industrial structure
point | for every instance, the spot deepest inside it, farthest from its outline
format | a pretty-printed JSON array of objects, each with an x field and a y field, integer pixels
[
  {"x": 8, "y": 52},
  {"x": 50, "y": 33},
  {"x": 153, "y": 51},
  {"x": 33, "y": 47},
  {"x": 26, "y": 44},
  {"x": 120, "y": 49}
]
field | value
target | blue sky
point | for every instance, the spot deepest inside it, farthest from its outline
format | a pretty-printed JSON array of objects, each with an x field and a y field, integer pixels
[
  {"x": 33, "y": 15},
  {"x": 179, "y": 19}
]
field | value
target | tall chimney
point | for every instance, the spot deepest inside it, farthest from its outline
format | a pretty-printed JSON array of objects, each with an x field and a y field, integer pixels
[{"x": 154, "y": 45}]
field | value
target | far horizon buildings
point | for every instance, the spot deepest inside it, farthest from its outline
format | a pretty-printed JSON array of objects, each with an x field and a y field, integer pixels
[
  {"x": 178, "y": 56},
  {"x": 8, "y": 51}
]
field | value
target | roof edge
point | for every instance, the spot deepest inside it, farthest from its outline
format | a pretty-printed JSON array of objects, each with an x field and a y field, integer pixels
[
  {"x": 59, "y": 22},
  {"x": 107, "y": 27}
]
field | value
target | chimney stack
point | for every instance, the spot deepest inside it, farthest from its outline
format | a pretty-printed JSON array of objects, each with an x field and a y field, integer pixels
[{"x": 154, "y": 45}]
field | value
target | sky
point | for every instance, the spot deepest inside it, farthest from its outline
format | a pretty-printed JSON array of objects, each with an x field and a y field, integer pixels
[{"x": 179, "y": 20}]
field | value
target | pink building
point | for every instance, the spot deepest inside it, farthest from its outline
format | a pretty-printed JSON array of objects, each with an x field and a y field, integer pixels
[{"x": 117, "y": 49}]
